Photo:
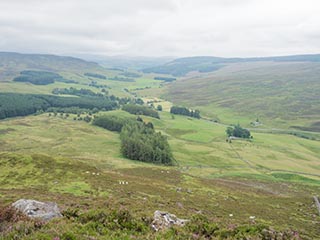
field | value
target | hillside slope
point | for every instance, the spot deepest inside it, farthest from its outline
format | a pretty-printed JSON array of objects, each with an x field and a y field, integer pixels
[
  {"x": 12, "y": 63},
  {"x": 182, "y": 66},
  {"x": 278, "y": 93}
]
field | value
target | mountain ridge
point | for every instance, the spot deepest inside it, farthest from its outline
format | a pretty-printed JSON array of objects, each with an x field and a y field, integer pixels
[{"x": 181, "y": 66}]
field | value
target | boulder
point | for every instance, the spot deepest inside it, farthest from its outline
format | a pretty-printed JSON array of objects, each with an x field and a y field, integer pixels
[
  {"x": 164, "y": 220},
  {"x": 35, "y": 209}
]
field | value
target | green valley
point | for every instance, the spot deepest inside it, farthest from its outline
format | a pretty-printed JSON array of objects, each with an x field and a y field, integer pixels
[{"x": 229, "y": 188}]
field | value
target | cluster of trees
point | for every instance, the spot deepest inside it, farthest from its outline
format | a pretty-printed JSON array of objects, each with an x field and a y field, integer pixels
[
  {"x": 16, "y": 104},
  {"x": 95, "y": 75},
  {"x": 77, "y": 92},
  {"x": 238, "y": 131},
  {"x": 96, "y": 85},
  {"x": 86, "y": 118},
  {"x": 64, "y": 115},
  {"x": 166, "y": 79},
  {"x": 111, "y": 122},
  {"x": 131, "y": 74},
  {"x": 38, "y": 77},
  {"x": 140, "y": 110},
  {"x": 104, "y": 94},
  {"x": 73, "y": 110},
  {"x": 139, "y": 141},
  {"x": 122, "y": 79},
  {"x": 81, "y": 102},
  {"x": 185, "y": 111}
]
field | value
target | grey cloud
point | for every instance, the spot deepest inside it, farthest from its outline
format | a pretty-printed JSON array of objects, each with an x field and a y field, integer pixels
[{"x": 161, "y": 27}]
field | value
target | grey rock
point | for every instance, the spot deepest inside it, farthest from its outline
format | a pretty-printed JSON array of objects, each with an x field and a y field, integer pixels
[
  {"x": 164, "y": 220},
  {"x": 35, "y": 209}
]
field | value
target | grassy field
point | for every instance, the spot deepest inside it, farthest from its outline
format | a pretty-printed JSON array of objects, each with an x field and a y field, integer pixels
[
  {"x": 279, "y": 94},
  {"x": 197, "y": 144},
  {"x": 72, "y": 161}
]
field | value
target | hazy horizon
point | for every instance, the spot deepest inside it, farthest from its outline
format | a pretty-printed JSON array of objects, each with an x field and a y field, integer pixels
[{"x": 167, "y": 28}]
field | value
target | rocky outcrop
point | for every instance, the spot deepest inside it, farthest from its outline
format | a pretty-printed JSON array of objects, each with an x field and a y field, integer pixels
[
  {"x": 164, "y": 220},
  {"x": 35, "y": 209}
]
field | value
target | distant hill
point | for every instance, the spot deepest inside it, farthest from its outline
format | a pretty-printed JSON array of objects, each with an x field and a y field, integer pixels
[
  {"x": 126, "y": 62},
  {"x": 279, "y": 92},
  {"x": 12, "y": 63},
  {"x": 182, "y": 66}
]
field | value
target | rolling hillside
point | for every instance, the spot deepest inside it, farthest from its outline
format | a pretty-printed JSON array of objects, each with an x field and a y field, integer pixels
[
  {"x": 182, "y": 66},
  {"x": 12, "y": 63},
  {"x": 71, "y": 69},
  {"x": 279, "y": 94}
]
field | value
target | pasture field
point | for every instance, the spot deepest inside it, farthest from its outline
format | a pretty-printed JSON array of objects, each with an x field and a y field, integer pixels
[
  {"x": 199, "y": 146},
  {"x": 76, "y": 163}
]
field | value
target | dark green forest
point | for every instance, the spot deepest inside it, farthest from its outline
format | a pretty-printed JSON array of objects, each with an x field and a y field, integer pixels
[
  {"x": 38, "y": 77},
  {"x": 16, "y": 104}
]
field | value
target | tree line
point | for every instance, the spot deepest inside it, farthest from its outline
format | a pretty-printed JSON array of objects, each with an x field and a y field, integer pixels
[
  {"x": 37, "y": 77},
  {"x": 140, "y": 110},
  {"x": 111, "y": 122},
  {"x": 76, "y": 92},
  {"x": 185, "y": 111},
  {"x": 17, "y": 104},
  {"x": 72, "y": 110},
  {"x": 166, "y": 79},
  {"x": 122, "y": 79},
  {"x": 95, "y": 75},
  {"x": 131, "y": 74},
  {"x": 104, "y": 94}
]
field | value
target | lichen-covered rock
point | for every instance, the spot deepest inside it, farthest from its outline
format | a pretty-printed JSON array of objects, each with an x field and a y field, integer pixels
[
  {"x": 164, "y": 220},
  {"x": 35, "y": 209}
]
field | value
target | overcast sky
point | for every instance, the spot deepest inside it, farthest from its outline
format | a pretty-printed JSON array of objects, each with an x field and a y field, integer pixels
[{"x": 161, "y": 27}]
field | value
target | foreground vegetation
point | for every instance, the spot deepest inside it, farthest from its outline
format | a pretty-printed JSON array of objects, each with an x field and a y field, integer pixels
[{"x": 121, "y": 224}]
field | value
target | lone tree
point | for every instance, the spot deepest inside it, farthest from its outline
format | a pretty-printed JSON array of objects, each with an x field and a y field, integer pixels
[{"x": 238, "y": 131}]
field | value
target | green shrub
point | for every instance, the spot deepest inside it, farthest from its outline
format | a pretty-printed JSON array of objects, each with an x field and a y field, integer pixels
[
  {"x": 68, "y": 236},
  {"x": 201, "y": 226}
]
